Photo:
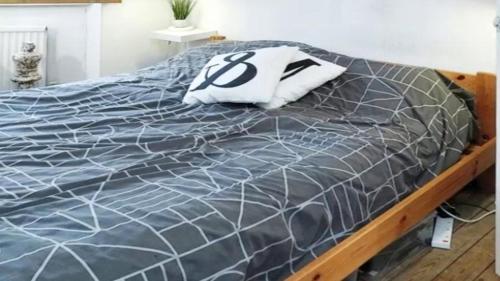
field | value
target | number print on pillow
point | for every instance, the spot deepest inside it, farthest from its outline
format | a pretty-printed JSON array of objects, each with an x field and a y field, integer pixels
[
  {"x": 248, "y": 76},
  {"x": 249, "y": 73}
]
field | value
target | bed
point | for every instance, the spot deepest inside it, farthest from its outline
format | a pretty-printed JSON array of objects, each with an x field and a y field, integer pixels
[{"x": 116, "y": 179}]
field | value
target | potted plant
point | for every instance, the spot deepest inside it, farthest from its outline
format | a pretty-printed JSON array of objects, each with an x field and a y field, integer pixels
[{"x": 181, "y": 10}]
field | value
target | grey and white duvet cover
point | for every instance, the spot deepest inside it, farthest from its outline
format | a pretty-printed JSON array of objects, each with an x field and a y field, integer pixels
[{"x": 116, "y": 179}]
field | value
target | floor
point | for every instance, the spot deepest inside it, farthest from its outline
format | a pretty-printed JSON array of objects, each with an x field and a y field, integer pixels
[{"x": 472, "y": 255}]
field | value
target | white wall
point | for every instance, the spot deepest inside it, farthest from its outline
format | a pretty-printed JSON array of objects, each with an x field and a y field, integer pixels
[
  {"x": 87, "y": 41},
  {"x": 449, "y": 34},
  {"x": 66, "y": 59},
  {"x": 126, "y": 28}
]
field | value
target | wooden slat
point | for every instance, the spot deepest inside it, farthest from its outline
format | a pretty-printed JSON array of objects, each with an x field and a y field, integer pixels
[
  {"x": 470, "y": 265},
  {"x": 436, "y": 261},
  {"x": 430, "y": 260},
  {"x": 489, "y": 274},
  {"x": 346, "y": 257}
]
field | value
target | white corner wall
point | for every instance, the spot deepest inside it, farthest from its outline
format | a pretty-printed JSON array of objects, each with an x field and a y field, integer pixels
[
  {"x": 447, "y": 34},
  {"x": 497, "y": 231},
  {"x": 126, "y": 30}
]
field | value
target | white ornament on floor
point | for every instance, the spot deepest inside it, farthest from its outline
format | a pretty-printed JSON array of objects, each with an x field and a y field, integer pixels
[{"x": 27, "y": 62}]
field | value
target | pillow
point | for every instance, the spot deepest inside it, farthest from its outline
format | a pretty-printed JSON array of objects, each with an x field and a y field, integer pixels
[
  {"x": 301, "y": 76},
  {"x": 242, "y": 77}
]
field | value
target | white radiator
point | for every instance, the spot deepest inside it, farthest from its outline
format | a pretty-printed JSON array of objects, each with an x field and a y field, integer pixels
[{"x": 11, "y": 40}]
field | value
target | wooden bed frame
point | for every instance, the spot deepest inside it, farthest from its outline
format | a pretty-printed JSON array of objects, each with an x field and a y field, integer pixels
[{"x": 477, "y": 163}]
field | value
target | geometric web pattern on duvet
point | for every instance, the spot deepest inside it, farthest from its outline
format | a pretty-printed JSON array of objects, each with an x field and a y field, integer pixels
[{"x": 116, "y": 179}]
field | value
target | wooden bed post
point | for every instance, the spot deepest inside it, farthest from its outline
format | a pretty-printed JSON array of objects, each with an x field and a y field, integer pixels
[
  {"x": 486, "y": 101},
  {"x": 483, "y": 85}
]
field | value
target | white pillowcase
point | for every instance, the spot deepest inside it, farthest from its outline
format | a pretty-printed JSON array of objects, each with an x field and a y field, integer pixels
[
  {"x": 304, "y": 74},
  {"x": 243, "y": 77}
]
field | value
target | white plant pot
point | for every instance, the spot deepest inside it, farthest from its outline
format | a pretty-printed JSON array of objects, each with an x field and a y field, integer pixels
[{"x": 181, "y": 24}]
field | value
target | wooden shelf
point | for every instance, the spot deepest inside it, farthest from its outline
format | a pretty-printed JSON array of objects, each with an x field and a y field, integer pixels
[{"x": 173, "y": 35}]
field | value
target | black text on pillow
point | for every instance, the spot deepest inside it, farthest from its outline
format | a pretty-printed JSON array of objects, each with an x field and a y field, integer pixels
[
  {"x": 301, "y": 76},
  {"x": 243, "y": 77},
  {"x": 248, "y": 74}
]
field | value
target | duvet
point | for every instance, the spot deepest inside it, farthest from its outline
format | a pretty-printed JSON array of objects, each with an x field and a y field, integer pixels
[{"x": 116, "y": 179}]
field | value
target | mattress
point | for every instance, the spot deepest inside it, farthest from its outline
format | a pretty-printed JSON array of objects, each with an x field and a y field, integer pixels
[{"x": 116, "y": 179}]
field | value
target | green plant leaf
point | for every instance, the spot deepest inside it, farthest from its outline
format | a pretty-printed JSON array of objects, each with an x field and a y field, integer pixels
[{"x": 182, "y": 8}]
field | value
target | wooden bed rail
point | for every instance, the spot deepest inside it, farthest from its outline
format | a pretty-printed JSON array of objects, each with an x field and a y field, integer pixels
[
  {"x": 340, "y": 261},
  {"x": 353, "y": 252},
  {"x": 483, "y": 85}
]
